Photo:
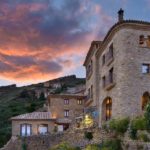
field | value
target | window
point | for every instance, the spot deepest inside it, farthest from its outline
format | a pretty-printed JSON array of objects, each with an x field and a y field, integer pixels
[
  {"x": 108, "y": 109},
  {"x": 66, "y": 113},
  {"x": 89, "y": 68},
  {"x": 104, "y": 81},
  {"x": 141, "y": 39},
  {"x": 146, "y": 68},
  {"x": 145, "y": 100},
  {"x": 111, "y": 75},
  {"x": 111, "y": 49},
  {"x": 66, "y": 101},
  {"x": 103, "y": 60},
  {"x": 91, "y": 91},
  {"x": 43, "y": 128},
  {"x": 25, "y": 129},
  {"x": 148, "y": 41},
  {"x": 79, "y": 102}
]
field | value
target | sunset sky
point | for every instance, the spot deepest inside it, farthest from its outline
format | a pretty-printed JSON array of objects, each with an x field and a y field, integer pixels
[{"x": 44, "y": 39}]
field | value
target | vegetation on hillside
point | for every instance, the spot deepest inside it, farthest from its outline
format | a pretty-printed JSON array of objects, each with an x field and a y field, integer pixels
[{"x": 15, "y": 101}]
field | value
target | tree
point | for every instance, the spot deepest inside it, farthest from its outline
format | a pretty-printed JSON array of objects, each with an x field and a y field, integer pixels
[
  {"x": 24, "y": 94},
  {"x": 42, "y": 96},
  {"x": 147, "y": 115}
]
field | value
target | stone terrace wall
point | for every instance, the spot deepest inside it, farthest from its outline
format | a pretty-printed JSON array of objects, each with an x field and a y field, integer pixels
[
  {"x": 135, "y": 145},
  {"x": 75, "y": 138}
]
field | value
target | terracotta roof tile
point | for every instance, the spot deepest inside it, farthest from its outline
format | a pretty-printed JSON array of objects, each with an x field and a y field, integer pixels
[{"x": 33, "y": 116}]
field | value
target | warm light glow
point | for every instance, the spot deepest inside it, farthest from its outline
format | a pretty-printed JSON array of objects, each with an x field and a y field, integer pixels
[
  {"x": 86, "y": 116},
  {"x": 54, "y": 116},
  {"x": 88, "y": 121}
]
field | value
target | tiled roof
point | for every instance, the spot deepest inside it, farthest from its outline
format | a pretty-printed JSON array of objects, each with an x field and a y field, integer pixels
[{"x": 34, "y": 116}]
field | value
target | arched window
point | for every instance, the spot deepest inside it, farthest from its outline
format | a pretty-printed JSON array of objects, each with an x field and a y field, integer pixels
[
  {"x": 107, "y": 109},
  {"x": 141, "y": 39},
  {"x": 145, "y": 99}
]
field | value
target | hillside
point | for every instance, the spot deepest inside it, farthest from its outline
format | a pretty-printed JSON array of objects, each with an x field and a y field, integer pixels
[{"x": 18, "y": 100}]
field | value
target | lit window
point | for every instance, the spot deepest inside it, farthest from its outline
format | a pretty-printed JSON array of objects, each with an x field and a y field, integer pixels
[
  {"x": 145, "y": 100},
  {"x": 66, "y": 101},
  {"x": 108, "y": 109},
  {"x": 79, "y": 101},
  {"x": 146, "y": 68},
  {"x": 66, "y": 113},
  {"x": 25, "y": 129}
]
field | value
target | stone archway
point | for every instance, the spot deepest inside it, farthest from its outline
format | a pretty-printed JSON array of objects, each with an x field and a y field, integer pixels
[
  {"x": 145, "y": 99},
  {"x": 107, "y": 109}
]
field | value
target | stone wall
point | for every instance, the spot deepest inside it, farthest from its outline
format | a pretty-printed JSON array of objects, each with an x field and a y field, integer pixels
[
  {"x": 130, "y": 83},
  {"x": 75, "y": 138},
  {"x": 34, "y": 123}
]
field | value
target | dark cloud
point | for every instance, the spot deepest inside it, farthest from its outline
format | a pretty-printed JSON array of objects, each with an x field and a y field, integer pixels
[{"x": 36, "y": 34}]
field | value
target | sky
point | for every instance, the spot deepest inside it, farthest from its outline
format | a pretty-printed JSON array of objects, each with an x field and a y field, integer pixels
[{"x": 45, "y": 39}]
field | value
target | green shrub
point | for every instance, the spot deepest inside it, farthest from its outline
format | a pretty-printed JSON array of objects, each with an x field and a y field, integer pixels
[
  {"x": 64, "y": 146},
  {"x": 120, "y": 126},
  {"x": 88, "y": 135},
  {"x": 112, "y": 145},
  {"x": 92, "y": 147},
  {"x": 139, "y": 123},
  {"x": 42, "y": 96},
  {"x": 147, "y": 115},
  {"x": 144, "y": 137},
  {"x": 133, "y": 132}
]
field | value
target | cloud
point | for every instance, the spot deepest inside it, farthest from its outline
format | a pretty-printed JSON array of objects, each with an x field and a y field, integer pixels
[{"x": 39, "y": 39}]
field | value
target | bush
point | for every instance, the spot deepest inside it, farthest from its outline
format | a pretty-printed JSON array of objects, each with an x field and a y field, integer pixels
[
  {"x": 92, "y": 147},
  {"x": 88, "y": 135},
  {"x": 147, "y": 115},
  {"x": 144, "y": 137},
  {"x": 42, "y": 96},
  {"x": 112, "y": 145},
  {"x": 139, "y": 123},
  {"x": 133, "y": 132},
  {"x": 119, "y": 125},
  {"x": 31, "y": 107},
  {"x": 64, "y": 146}
]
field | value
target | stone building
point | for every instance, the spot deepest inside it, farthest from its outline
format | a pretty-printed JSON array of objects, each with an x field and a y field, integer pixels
[
  {"x": 62, "y": 111},
  {"x": 118, "y": 70},
  {"x": 65, "y": 108},
  {"x": 32, "y": 124}
]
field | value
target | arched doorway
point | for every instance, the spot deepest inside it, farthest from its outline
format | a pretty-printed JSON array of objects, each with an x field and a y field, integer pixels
[
  {"x": 145, "y": 99},
  {"x": 107, "y": 109}
]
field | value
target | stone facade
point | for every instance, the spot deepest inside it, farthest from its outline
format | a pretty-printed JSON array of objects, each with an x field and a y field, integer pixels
[
  {"x": 74, "y": 138},
  {"x": 58, "y": 103},
  {"x": 118, "y": 78},
  {"x": 16, "y": 124}
]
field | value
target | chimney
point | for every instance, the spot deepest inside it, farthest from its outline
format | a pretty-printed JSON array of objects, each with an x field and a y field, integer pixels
[{"x": 120, "y": 15}]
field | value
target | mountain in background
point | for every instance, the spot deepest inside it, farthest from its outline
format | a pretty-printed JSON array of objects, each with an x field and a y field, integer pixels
[{"x": 19, "y": 100}]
